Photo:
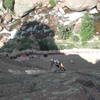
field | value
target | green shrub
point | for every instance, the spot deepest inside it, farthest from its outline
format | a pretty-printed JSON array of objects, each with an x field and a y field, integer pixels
[
  {"x": 75, "y": 38},
  {"x": 52, "y": 3},
  {"x": 65, "y": 46},
  {"x": 40, "y": 4},
  {"x": 87, "y": 28},
  {"x": 64, "y": 32},
  {"x": 61, "y": 46},
  {"x": 47, "y": 44},
  {"x": 8, "y": 48},
  {"x": 20, "y": 44},
  {"x": 25, "y": 43},
  {"x": 70, "y": 46},
  {"x": 9, "y": 4}
]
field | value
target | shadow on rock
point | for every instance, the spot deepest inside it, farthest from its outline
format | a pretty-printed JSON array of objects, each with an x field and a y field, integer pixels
[
  {"x": 78, "y": 82},
  {"x": 32, "y": 35}
]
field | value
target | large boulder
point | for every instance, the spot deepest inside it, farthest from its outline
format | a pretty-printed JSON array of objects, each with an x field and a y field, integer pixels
[
  {"x": 1, "y": 4},
  {"x": 22, "y": 6},
  {"x": 98, "y": 1},
  {"x": 79, "y": 5},
  {"x": 43, "y": 2},
  {"x": 98, "y": 5}
]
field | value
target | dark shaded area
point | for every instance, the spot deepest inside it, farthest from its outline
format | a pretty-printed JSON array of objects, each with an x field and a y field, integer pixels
[
  {"x": 37, "y": 29},
  {"x": 32, "y": 35},
  {"x": 80, "y": 81}
]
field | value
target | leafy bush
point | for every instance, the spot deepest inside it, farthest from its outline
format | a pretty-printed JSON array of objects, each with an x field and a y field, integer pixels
[
  {"x": 65, "y": 46},
  {"x": 20, "y": 44},
  {"x": 75, "y": 38},
  {"x": 87, "y": 28},
  {"x": 64, "y": 32},
  {"x": 52, "y": 3},
  {"x": 61, "y": 46},
  {"x": 25, "y": 43},
  {"x": 47, "y": 44},
  {"x": 9, "y": 4},
  {"x": 8, "y": 48}
]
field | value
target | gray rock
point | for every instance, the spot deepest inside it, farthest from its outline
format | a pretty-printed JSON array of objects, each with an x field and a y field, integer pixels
[
  {"x": 22, "y": 6},
  {"x": 35, "y": 72},
  {"x": 98, "y": 6},
  {"x": 1, "y": 4},
  {"x": 79, "y": 5}
]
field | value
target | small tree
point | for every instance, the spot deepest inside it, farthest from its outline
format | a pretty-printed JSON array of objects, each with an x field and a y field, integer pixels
[
  {"x": 64, "y": 32},
  {"x": 25, "y": 43},
  {"x": 52, "y": 3},
  {"x": 87, "y": 28},
  {"x": 9, "y": 4},
  {"x": 47, "y": 44}
]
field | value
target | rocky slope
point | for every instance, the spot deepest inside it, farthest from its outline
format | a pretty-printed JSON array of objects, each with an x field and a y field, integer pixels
[{"x": 80, "y": 81}]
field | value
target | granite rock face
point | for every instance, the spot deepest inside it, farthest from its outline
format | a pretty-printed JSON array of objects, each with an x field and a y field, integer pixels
[
  {"x": 98, "y": 6},
  {"x": 44, "y": 84},
  {"x": 40, "y": 1},
  {"x": 1, "y": 4},
  {"x": 79, "y": 5},
  {"x": 22, "y": 6}
]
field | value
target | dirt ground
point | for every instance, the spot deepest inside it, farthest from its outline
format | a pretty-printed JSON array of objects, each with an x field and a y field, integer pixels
[{"x": 80, "y": 81}]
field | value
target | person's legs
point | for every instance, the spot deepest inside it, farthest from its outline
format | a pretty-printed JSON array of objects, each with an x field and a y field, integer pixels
[{"x": 62, "y": 69}]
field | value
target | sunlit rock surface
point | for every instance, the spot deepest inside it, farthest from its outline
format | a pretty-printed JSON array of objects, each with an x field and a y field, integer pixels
[
  {"x": 22, "y": 6},
  {"x": 1, "y": 4},
  {"x": 79, "y": 5}
]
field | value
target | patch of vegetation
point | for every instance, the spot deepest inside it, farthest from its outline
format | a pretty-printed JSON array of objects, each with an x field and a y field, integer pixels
[
  {"x": 12, "y": 12},
  {"x": 9, "y": 4},
  {"x": 70, "y": 46},
  {"x": 87, "y": 28},
  {"x": 40, "y": 4},
  {"x": 61, "y": 47},
  {"x": 52, "y": 3},
  {"x": 65, "y": 46},
  {"x": 64, "y": 32},
  {"x": 8, "y": 47},
  {"x": 20, "y": 44},
  {"x": 25, "y": 43},
  {"x": 92, "y": 45},
  {"x": 47, "y": 44},
  {"x": 75, "y": 38}
]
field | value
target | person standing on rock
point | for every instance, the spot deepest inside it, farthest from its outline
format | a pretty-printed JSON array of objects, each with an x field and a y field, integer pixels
[{"x": 58, "y": 64}]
